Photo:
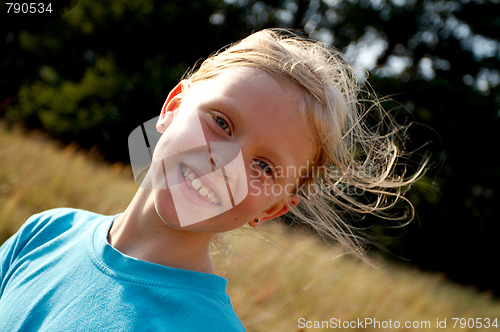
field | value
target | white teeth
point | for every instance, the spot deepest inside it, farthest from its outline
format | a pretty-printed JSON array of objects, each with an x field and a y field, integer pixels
[{"x": 198, "y": 185}]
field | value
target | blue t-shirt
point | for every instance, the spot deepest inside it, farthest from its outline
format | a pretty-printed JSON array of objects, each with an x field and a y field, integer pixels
[{"x": 59, "y": 273}]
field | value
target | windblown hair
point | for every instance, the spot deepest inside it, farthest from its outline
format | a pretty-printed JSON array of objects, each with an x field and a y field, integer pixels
[{"x": 355, "y": 169}]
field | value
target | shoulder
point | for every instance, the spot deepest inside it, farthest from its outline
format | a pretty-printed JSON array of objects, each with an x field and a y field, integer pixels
[
  {"x": 51, "y": 224},
  {"x": 62, "y": 213},
  {"x": 49, "y": 228},
  {"x": 58, "y": 219}
]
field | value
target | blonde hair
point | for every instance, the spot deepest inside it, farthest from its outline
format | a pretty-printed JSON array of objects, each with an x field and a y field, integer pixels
[{"x": 352, "y": 152}]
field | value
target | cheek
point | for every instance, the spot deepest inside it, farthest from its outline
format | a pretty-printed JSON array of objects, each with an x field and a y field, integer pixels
[
  {"x": 266, "y": 191},
  {"x": 183, "y": 134},
  {"x": 262, "y": 196}
]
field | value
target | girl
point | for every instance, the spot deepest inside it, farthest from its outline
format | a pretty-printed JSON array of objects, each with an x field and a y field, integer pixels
[{"x": 268, "y": 126}]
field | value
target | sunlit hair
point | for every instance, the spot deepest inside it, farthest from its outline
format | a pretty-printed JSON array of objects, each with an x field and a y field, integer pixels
[{"x": 355, "y": 169}]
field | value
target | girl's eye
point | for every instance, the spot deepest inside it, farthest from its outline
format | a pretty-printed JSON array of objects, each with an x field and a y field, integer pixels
[
  {"x": 222, "y": 124},
  {"x": 265, "y": 167}
]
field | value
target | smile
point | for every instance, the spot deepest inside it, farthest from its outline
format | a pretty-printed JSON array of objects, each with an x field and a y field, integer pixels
[{"x": 196, "y": 185}]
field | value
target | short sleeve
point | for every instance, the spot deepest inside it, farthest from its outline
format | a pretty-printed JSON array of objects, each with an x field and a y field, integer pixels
[{"x": 13, "y": 247}]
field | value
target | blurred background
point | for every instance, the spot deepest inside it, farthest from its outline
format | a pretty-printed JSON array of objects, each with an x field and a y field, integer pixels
[{"x": 91, "y": 71}]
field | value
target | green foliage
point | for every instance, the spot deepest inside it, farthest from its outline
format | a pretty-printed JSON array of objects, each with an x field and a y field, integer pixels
[{"x": 67, "y": 108}]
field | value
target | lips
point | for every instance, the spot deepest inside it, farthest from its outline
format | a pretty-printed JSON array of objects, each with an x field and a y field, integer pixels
[{"x": 199, "y": 187}]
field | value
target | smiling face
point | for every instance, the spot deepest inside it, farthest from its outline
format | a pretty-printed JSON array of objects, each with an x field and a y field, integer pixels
[{"x": 225, "y": 144}]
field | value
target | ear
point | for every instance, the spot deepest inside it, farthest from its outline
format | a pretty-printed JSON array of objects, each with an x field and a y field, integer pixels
[
  {"x": 276, "y": 210},
  {"x": 170, "y": 107}
]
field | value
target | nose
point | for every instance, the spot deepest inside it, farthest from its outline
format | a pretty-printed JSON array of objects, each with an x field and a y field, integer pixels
[
  {"x": 229, "y": 158},
  {"x": 223, "y": 154}
]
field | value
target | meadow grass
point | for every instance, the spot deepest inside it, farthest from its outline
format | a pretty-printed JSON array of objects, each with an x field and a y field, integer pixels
[{"x": 276, "y": 276}]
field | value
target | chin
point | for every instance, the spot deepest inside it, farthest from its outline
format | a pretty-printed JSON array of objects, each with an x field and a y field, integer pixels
[{"x": 165, "y": 208}]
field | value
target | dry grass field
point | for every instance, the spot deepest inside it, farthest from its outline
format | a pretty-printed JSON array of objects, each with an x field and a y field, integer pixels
[{"x": 279, "y": 280}]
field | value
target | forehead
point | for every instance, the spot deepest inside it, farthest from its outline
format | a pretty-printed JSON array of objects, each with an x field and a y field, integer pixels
[
  {"x": 251, "y": 90},
  {"x": 262, "y": 109},
  {"x": 252, "y": 80}
]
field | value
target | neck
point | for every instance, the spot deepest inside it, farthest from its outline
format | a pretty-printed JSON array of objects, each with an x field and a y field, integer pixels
[{"x": 140, "y": 233}]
